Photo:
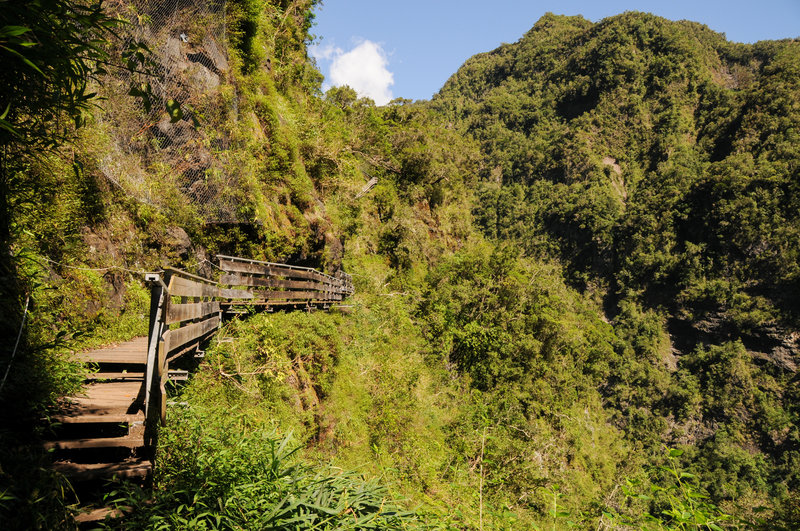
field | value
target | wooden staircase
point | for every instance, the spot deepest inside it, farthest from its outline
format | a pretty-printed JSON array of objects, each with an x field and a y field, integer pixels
[{"x": 99, "y": 434}]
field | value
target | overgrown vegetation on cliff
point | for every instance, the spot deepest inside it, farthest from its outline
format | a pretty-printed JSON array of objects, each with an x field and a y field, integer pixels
[
  {"x": 582, "y": 252},
  {"x": 658, "y": 163}
]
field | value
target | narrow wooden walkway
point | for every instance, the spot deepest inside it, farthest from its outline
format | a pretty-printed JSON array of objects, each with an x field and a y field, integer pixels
[
  {"x": 99, "y": 433},
  {"x": 109, "y": 430}
]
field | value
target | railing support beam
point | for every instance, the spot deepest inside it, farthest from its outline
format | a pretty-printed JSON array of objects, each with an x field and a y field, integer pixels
[{"x": 152, "y": 389}]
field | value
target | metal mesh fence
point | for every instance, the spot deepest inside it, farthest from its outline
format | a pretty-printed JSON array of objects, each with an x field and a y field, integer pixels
[{"x": 169, "y": 114}]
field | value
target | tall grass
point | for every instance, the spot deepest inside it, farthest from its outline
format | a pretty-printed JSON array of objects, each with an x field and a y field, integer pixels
[{"x": 232, "y": 473}]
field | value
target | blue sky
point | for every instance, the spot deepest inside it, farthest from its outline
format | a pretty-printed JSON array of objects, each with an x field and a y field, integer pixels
[{"x": 408, "y": 49}]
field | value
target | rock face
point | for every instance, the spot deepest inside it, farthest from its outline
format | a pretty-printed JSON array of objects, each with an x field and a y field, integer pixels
[
  {"x": 771, "y": 344},
  {"x": 171, "y": 133},
  {"x": 199, "y": 76},
  {"x": 197, "y": 66},
  {"x": 782, "y": 347},
  {"x": 215, "y": 54},
  {"x": 178, "y": 240}
]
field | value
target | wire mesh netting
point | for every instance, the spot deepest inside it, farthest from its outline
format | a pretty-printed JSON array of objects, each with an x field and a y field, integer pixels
[{"x": 169, "y": 113}]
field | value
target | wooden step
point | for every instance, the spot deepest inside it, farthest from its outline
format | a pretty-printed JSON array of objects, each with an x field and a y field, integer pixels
[
  {"x": 125, "y": 375},
  {"x": 123, "y": 358},
  {"x": 129, "y": 468},
  {"x": 99, "y": 514},
  {"x": 104, "y": 398},
  {"x": 118, "y": 418},
  {"x": 130, "y": 441},
  {"x": 130, "y": 352}
]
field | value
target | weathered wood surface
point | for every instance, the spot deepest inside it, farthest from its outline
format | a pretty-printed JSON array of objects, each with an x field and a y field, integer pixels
[
  {"x": 231, "y": 265},
  {"x": 292, "y": 283},
  {"x": 265, "y": 282},
  {"x": 128, "y": 468},
  {"x": 89, "y": 418},
  {"x": 295, "y": 295},
  {"x": 111, "y": 398},
  {"x": 99, "y": 514},
  {"x": 174, "y": 339},
  {"x": 130, "y": 441},
  {"x": 177, "y": 313},
  {"x": 130, "y": 352},
  {"x": 124, "y": 375},
  {"x": 184, "y": 287},
  {"x": 231, "y": 293},
  {"x": 100, "y": 410}
]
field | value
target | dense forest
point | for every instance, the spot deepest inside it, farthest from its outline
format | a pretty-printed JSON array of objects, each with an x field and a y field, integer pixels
[{"x": 577, "y": 278}]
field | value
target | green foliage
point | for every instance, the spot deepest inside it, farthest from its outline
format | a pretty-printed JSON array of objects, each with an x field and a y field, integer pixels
[
  {"x": 227, "y": 472},
  {"x": 51, "y": 50},
  {"x": 635, "y": 181},
  {"x": 630, "y": 147},
  {"x": 535, "y": 350},
  {"x": 652, "y": 160},
  {"x": 677, "y": 500},
  {"x": 31, "y": 495}
]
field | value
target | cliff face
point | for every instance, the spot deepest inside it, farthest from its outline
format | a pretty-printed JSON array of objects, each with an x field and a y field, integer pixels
[{"x": 207, "y": 126}]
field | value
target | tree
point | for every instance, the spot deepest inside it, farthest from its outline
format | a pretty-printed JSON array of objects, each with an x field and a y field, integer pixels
[{"x": 50, "y": 51}]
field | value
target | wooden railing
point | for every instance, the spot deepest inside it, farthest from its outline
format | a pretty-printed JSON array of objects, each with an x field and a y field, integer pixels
[
  {"x": 186, "y": 310},
  {"x": 281, "y": 284}
]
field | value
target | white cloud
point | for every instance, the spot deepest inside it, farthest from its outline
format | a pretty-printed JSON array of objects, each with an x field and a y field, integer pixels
[
  {"x": 364, "y": 68},
  {"x": 324, "y": 52}
]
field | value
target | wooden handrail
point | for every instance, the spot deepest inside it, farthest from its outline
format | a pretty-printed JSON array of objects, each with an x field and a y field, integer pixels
[{"x": 178, "y": 328}]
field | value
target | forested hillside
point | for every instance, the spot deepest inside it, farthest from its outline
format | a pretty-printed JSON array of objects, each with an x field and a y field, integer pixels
[
  {"x": 658, "y": 164},
  {"x": 577, "y": 277}
]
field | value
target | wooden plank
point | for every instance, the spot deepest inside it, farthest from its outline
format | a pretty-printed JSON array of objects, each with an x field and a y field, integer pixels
[
  {"x": 183, "y": 287},
  {"x": 101, "y": 513},
  {"x": 261, "y": 269},
  {"x": 133, "y": 351},
  {"x": 117, "y": 418},
  {"x": 191, "y": 346},
  {"x": 291, "y": 295},
  {"x": 130, "y": 441},
  {"x": 235, "y": 294},
  {"x": 234, "y": 260},
  {"x": 231, "y": 266},
  {"x": 116, "y": 376},
  {"x": 126, "y": 358},
  {"x": 104, "y": 399},
  {"x": 245, "y": 280},
  {"x": 177, "y": 338},
  {"x": 124, "y": 469},
  {"x": 268, "y": 303},
  {"x": 177, "y": 313},
  {"x": 184, "y": 274}
]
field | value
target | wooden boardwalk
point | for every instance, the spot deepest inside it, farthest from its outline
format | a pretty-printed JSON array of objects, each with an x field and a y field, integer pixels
[
  {"x": 99, "y": 433},
  {"x": 110, "y": 429}
]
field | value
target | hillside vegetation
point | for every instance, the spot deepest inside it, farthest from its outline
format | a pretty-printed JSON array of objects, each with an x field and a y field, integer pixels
[{"x": 577, "y": 282}]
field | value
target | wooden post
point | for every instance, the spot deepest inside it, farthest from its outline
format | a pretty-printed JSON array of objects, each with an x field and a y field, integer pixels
[{"x": 152, "y": 393}]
